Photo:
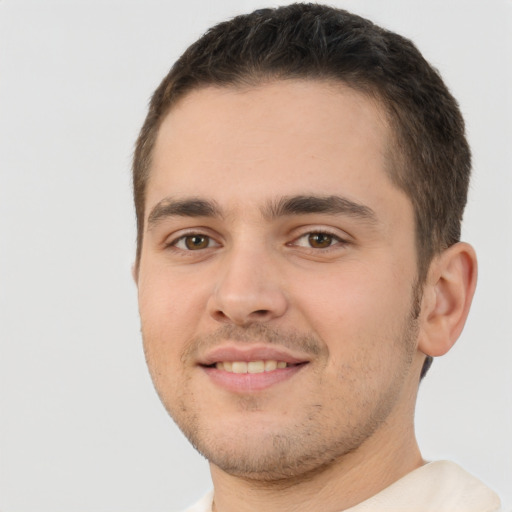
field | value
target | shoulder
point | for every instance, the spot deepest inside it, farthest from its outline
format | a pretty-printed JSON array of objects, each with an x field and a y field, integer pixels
[
  {"x": 203, "y": 505},
  {"x": 441, "y": 486}
]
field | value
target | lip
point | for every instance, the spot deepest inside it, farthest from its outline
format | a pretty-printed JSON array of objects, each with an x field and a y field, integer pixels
[
  {"x": 251, "y": 353},
  {"x": 242, "y": 383}
]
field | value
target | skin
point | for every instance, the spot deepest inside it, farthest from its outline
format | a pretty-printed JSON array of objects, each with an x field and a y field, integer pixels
[{"x": 335, "y": 289}]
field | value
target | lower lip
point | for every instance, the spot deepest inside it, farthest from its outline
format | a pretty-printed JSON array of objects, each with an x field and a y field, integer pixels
[{"x": 248, "y": 382}]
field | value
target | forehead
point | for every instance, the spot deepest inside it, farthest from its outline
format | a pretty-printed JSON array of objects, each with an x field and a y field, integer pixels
[{"x": 284, "y": 137}]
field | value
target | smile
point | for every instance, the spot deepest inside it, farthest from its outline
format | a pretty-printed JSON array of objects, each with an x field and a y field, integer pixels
[
  {"x": 239, "y": 368},
  {"x": 250, "y": 366}
]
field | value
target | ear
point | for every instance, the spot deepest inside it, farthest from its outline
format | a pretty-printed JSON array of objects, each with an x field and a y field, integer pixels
[
  {"x": 135, "y": 273},
  {"x": 447, "y": 297}
]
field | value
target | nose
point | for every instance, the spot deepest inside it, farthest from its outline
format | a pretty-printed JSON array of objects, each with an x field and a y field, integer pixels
[{"x": 248, "y": 289}]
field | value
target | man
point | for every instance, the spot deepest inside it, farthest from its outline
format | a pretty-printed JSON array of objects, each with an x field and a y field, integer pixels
[{"x": 299, "y": 185}]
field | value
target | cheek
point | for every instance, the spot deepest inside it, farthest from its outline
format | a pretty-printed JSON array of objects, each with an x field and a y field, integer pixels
[
  {"x": 169, "y": 313},
  {"x": 357, "y": 313},
  {"x": 168, "y": 296}
]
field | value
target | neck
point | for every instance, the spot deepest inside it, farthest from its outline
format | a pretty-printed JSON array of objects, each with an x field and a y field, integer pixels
[{"x": 384, "y": 458}]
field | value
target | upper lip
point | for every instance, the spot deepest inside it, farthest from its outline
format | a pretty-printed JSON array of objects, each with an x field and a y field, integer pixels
[{"x": 250, "y": 353}]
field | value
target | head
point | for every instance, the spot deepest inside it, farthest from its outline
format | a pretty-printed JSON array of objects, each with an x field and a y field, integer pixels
[
  {"x": 299, "y": 185},
  {"x": 429, "y": 157}
]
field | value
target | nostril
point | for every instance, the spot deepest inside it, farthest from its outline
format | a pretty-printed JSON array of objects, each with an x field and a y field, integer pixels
[
  {"x": 220, "y": 316},
  {"x": 249, "y": 304}
]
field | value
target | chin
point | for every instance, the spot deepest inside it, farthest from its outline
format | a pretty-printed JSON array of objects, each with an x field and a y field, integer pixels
[{"x": 269, "y": 452}]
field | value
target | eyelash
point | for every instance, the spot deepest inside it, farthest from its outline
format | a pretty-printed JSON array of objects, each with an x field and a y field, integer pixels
[
  {"x": 174, "y": 244},
  {"x": 334, "y": 241}
]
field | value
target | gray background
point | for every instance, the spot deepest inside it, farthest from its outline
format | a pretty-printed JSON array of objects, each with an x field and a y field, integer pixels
[{"x": 81, "y": 428}]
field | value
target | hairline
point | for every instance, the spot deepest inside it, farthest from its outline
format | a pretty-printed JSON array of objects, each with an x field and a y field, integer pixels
[{"x": 395, "y": 161}]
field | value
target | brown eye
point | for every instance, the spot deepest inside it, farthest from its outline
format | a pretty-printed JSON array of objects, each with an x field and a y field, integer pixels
[
  {"x": 194, "y": 242},
  {"x": 320, "y": 240}
]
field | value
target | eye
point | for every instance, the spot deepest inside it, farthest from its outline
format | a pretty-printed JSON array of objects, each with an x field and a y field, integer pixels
[
  {"x": 194, "y": 242},
  {"x": 320, "y": 240},
  {"x": 317, "y": 240}
]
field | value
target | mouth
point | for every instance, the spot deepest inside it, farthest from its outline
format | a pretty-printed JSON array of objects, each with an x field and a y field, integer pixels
[{"x": 252, "y": 368}]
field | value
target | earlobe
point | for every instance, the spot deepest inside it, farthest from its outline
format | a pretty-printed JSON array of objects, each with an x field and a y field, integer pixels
[{"x": 447, "y": 298}]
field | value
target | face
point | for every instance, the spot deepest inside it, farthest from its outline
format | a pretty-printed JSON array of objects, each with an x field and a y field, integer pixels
[{"x": 277, "y": 276}]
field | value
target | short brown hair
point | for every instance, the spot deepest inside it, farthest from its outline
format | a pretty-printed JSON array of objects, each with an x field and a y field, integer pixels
[{"x": 430, "y": 157}]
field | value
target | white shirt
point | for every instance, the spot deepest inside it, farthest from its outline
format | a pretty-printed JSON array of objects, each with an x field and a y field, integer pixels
[{"x": 441, "y": 486}]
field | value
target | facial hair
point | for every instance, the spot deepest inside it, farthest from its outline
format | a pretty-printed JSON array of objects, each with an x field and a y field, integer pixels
[{"x": 304, "y": 444}]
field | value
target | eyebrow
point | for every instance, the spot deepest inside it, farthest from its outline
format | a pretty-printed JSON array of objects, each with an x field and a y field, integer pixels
[
  {"x": 288, "y": 205},
  {"x": 334, "y": 205},
  {"x": 190, "y": 207}
]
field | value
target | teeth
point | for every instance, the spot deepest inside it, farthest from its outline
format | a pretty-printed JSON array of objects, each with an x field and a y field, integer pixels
[
  {"x": 239, "y": 367},
  {"x": 256, "y": 367},
  {"x": 270, "y": 365},
  {"x": 250, "y": 367}
]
